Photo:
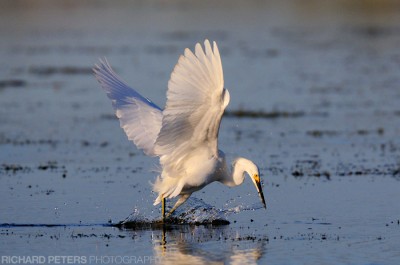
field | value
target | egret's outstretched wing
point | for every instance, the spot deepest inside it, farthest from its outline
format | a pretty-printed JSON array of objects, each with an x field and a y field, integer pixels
[
  {"x": 196, "y": 100},
  {"x": 139, "y": 117}
]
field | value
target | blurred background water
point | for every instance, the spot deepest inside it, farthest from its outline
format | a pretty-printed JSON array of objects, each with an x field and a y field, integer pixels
[{"x": 314, "y": 86}]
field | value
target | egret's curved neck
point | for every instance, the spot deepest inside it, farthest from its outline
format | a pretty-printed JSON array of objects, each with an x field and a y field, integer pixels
[{"x": 237, "y": 174}]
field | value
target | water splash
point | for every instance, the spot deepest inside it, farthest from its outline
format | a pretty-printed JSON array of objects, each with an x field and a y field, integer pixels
[
  {"x": 137, "y": 217},
  {"x": 196, "y": 211},
  {"x": 243, "y": 207},
  {"x": 193, "y": 212}
]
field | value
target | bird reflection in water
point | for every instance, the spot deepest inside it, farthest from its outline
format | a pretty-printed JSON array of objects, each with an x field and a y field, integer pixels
[{"x": 188, "y": 244}]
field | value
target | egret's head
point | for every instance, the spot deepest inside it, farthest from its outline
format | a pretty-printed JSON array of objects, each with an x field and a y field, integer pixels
[{"x": 252, "y": 170}]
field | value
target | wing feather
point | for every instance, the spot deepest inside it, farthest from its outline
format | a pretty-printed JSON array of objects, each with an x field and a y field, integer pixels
[
  {"x": 196, "y": 100},
  {"x": 139, "y": 117}
]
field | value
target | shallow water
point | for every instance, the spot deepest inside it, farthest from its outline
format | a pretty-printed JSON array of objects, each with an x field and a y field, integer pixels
[{"x": 314, "y": 101}]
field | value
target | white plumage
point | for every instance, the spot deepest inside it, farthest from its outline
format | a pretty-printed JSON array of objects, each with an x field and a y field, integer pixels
[
  {"x": 185, "y": 134},
  {"x": 139, "y": 117}
]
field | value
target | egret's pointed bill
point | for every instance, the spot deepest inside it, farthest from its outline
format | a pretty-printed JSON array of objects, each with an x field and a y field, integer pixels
[{"x": 257, "y": 183}]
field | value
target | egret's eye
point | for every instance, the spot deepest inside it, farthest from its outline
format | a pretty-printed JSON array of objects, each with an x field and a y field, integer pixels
[{"x": 256, "y": 178}]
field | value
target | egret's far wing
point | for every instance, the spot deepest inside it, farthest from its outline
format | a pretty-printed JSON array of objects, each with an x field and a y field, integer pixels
[
  {"x": 196, "y": 100},
  {"x": 139, "y": 117}
]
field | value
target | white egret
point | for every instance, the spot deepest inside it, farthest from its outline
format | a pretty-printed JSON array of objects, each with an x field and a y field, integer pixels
[{"x": 185, "y": 134}]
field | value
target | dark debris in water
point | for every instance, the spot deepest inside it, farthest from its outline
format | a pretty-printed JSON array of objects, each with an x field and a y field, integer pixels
[
  {"x": 320, "y": 133},
  {"x": 169, "y": 223},
  {"x": 331, "y": 133},
  {"x": 104, "y": 235},
  {"x": 64, "y": 70},
  {"x": 14, "y": 168},
  {"x": 49, "y": 165},
  {"x": 12, "y": 83},
  {"x": 310, "y": 168},
  {"x": 22, "y": 142},
  {"x": 314, "y": 168},
  {"x": 314, "y": 236},
  {"x": 325, "y": 174},
  {"x": 374, "y": 31},
  {"x": 108, "y": 117},
  {"x": 356, "y": 170},
  {"x": 17, "y": 168}
]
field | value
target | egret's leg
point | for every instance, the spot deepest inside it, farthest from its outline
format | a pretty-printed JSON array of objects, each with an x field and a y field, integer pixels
[
  {"x": 163, "y": 208},
  {"x": 181, "y": 200}
]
